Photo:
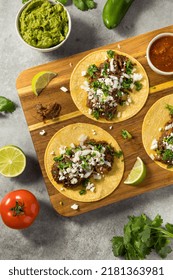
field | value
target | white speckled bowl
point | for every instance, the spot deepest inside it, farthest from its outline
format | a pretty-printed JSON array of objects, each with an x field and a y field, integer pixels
[
  {"x": 41, "y": 49},
  {"x": 148, "y": 56}
]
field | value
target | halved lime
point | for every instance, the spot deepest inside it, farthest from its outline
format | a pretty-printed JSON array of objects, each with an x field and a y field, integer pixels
[
  {"x": 137, "y": 174},
  {"x": 12, "y": 161},
  {"x": 41, "y": 80}
]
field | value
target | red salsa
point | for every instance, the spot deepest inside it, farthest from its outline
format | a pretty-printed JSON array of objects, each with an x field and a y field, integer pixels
[{"x": 161, "y": 53}]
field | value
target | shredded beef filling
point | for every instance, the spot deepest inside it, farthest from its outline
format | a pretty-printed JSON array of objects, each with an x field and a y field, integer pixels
[
  {"x": 50, "y": 111},
  {"x": 77, "y": 165}
]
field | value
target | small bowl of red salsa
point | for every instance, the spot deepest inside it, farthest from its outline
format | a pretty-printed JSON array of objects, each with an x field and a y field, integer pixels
[{"x": 160, "y": 54}]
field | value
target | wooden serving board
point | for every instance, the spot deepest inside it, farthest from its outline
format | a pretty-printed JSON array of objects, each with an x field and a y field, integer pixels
[{"x": 159, "y": 86}]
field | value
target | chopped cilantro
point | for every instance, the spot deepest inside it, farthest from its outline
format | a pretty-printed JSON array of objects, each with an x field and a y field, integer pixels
[
  {"x": 109, "y": 115},
  {"x": 63, "y": 165},
  {"x": 170, "y": 108},
  {"x": 96, "y": 114},
  {"x": 85, "y": 182},
  {"x": 111, "y": 54},
  {"x": 126, "y": 83},
  {"x": 167, "y": 155},
  {"x": 118, "y": 154},
  {"x": 95, "y": 85},
  {"x": 138, "y": 85},
  {"x": 82, "y": 192},
  {"x": 91, "y": 70},
  {"x": 68, "y": 151},
  {"x": 104, "y": 70},
  {"x": 141, "y": 236},
  {"x": 129, "y": 67},
  {"x": 59, "y": 158},
  {"x": 169, "y": 140},
  {"x": 125, "y": 134},
  {"x": 119, "y": 93}
]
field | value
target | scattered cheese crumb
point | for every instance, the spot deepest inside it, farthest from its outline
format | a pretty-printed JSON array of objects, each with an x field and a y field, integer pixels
[
  {"x": 160, "y": 128},
  {"x": 75, "y": 206},
  {"x": 82, "y": 138},
  {"x": 64, "y": 89},
  {"x": 119, "y": 47},
  {"x": 169, "y": 126},
  {"x": 94, "y": 132},
  {"x": 42, "y": 132},
  {"x": 52, "y": 153},
  {"x": 111, "y": 127},
  {"x": 62, "y": 189},
  {"x": 154, "y": 145},
  {"x": 90, "y": 111},
  {"x": 119, "y": 115},
  {"x": 71, "y": 64},
  {"x": 152, "y": 156},
  {"x": 83, "y": 73},
  {"x": 61, "y": 203}
]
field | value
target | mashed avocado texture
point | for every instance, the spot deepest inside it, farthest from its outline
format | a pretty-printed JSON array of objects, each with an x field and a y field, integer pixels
[{"x": 42, "y": 24}]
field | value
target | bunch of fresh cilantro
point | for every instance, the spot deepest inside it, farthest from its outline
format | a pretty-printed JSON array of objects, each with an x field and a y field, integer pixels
[
  {"x": 141, "y": 236},
  {"x": 82, "y": 5},
  {"x": 6, "y": 105}
]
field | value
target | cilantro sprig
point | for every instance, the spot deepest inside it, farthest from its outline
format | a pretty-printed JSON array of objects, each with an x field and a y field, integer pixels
[
  {"x": 170, "y": 108},
  {"x": 6, "y": 105},
  {"x": 141, "y": 236},
  {"x": 126, "y": 134}
]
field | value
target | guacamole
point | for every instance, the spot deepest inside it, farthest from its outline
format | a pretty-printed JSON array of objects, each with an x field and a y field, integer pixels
[{"x": 43, "y": 24}]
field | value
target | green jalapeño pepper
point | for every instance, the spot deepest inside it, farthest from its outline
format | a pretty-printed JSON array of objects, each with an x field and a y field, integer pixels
[{"x": 114, "y": 11}]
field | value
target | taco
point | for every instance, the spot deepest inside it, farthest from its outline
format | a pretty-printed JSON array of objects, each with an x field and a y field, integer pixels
[
  {"x": 84, "y": 162},
  {"x": 109, "y": 86},
  {"x": 157, "y": 132}
]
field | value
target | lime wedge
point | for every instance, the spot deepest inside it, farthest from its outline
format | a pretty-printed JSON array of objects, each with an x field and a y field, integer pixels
[
  {"x": 41, "y": 80},
  {"x": 137, "y": 174},
  {"x": 12, "y": 161}
]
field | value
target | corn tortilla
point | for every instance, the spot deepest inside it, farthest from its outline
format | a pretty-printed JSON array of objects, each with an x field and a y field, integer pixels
[
  {"x": 79, "y": 95},
  {"x": 70, "y": 134},
  {"x": 156, "y": 118}
]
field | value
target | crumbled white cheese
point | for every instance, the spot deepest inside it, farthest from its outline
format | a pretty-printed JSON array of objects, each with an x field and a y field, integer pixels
[
  {"x": 119, "y": 47},
  {"x": 62, "y": 189},
  {"x": 42, "y": 132},
  {"x": 71, "y": 64},
  {"x": 83, "y": 73},
  {"x": 110, "y": 127},
  {"x": 137, "y": 77},
  {"x": 89, "y": 186},
  {"x": 160, "y": 129},
  {"x": 62, "y": 149},
  {"x": 152, "y": 156},
  {"x": 75, "y": 206},
  {"x": 72, "y": 145},
  {"x": 52, "y": 153},
  {"x": 92, "y": 189},
  {"x": 169, "y": 126},
  {"x": 154, "y": 144},
  {"x": 118, "y": 114},
  {"x": 64, "y": 89},
  {"x": 112, "y": 68},
  {"x": 82, "y": 138},
  {"x": 74, "y": 180},
  {"x": 97, "y": 176}
]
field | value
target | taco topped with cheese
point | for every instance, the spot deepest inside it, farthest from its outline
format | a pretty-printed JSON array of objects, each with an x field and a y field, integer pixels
[
  {"x": 159, "y": 143},
  {"x": 84, "y": 162},
  {"x": 109, "y": 86}
]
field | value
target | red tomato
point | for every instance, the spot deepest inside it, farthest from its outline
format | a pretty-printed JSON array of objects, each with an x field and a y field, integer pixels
[{"x": 19, "y": 209}]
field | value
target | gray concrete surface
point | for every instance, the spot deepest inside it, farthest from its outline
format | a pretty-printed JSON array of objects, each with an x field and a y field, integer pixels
[{"x": 52, "y": 236}]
